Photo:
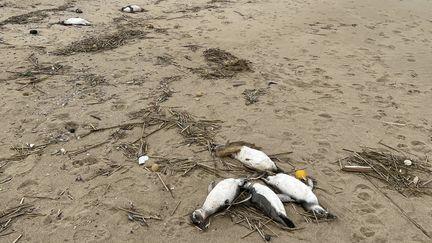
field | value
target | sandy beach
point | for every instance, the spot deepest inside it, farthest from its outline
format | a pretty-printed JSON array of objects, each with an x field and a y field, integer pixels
[{"x": 79, "y": 104}]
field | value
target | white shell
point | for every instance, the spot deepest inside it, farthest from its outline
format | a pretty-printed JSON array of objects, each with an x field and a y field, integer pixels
[
  {"x": 143, "y": 159},
  {"x": 407, "y": 162},
  {"x": 255, "y": 159},
  {"x": 415, "y": 180},
  {"x": 132, "y": 8},
  {"x": 76, "y": 21}
]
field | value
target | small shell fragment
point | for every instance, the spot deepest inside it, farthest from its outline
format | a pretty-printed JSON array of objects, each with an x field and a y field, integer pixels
[
  {"x": 407, "y": 162},
  {"x": 143, "y": 159},
  {"x": 155, "y": 167},
  {"x": 415, "y": 180}
]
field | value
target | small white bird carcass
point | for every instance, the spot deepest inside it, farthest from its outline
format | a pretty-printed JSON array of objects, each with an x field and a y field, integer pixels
[
  {"x": 76, "y": 21},
  {"x": 248, "y": 155}
]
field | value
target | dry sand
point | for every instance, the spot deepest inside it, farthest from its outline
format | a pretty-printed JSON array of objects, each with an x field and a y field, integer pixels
[{"x": 348, "y": 73}]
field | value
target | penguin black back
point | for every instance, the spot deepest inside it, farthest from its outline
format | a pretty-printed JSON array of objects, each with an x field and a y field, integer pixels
[{"x": 262, "y": 203}]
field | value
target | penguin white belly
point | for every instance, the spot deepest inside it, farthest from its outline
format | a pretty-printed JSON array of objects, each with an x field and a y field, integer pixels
[
  {"x": 293, "y": 187},
  {"x": 274, "y": 200},
  {"x": 255, "y": 159},
  {"x": 222, "y": 194}
]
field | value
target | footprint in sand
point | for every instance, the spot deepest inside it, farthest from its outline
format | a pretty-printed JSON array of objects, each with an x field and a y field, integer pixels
[
  {"x": 85, "y": 235},
  {"x": 366, "y": 231},
  {"x": 174, "y": 226},
  {"x": 27, "y": 183},
  {"x": 420, "y": 146}
]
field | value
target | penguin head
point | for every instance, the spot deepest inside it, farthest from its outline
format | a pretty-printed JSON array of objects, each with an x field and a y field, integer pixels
[
  {"x": 198, "y": 218},
  {"x": 247, "y": 185},
  {"x": 320, "y": 212}
]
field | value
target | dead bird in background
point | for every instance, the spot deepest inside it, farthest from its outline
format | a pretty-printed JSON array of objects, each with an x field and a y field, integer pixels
[
  {"x": 248, "y": 154},
  {"x": 132, "y": 9},
  {"x": 75, "y": 21},
  {"x": 294, "y": 190},
  {"x": 220, "y": 195},
  {"x": 266, "y": 200}
]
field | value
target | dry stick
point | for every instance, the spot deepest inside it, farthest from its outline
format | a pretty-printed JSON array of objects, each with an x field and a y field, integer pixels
[
  {"x": 427, "y": 182},
  {"x": 254, "y": 229},
  {"x": 17, "y": 239},
  {"x": 367, "y": 162},
  {"x": 356, "y": 168},
  {"x": 40, "y": 197},
  {"x": 6, "y": 180},
  {"x": 175, "y": 209},
  {"x": 142, "y": 139},
  {"x": 400, "y": 209},
  {"x": 85, "y": 149},
  {"x": 260, "y": 233},
  {"x": 279, "y": 154},
  {"x": 163, "y": 183},
  {"x": 271, "y": 230},
  {"x": 112, "y": 127},
  {"x": 392, "y": 148},
  {"x": 147, "y": 135},
  {"x": 136, "y": 213}
]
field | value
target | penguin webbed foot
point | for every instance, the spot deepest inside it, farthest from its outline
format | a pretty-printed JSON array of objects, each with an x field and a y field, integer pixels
[{"x": 320, "y": 213}]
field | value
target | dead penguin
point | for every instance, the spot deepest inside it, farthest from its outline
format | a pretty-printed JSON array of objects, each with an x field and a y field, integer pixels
[
  {"x": 267, "y": 201},
  {"x": 75, "y": 21},
  {"x": 132, "y": 9},
  {"x": 247, "y": 154},
  {"x": 294, "y": 190},
  {"x": 220, "y": 195}
]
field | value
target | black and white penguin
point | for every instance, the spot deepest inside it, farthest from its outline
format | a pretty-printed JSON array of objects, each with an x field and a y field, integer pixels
[
  {"x": 132, "y": 9},
  {"x": 248, "y": 155},
  {"x": 266, "y": 200},
  {"x": 294, "y": 190},
  {"x": 220, "y": 196}
]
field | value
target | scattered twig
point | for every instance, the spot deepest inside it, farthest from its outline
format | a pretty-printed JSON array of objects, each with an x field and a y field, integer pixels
[
  {"x": 175, "y": 209},
  {"x": 87, "y": 148},
  {"x": 401, "y": 210},
  {"x": 356, "y": 168},
  {"x": 163, "y": 183},
  {"x": 17, "y": 239}
]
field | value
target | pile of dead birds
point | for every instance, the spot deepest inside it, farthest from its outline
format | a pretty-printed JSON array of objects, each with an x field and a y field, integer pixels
[{"x": 248, "y": 199}]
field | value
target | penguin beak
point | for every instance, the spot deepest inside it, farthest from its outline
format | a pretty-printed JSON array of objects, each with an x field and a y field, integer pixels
[{"x": 199, "y": 221}]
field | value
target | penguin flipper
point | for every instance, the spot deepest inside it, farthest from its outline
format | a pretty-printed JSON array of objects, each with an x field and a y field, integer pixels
[
  {"x": 283, "y": 219},
  {"x": 285, "y": 198},
  {"x": 311, "y": 182}
]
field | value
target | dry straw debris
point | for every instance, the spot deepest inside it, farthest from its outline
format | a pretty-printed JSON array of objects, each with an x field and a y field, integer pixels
[
  {"x": 222, "y": 64},
  {"x": 392, "y": 170},
  {"x": 102, "y": 42}
]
